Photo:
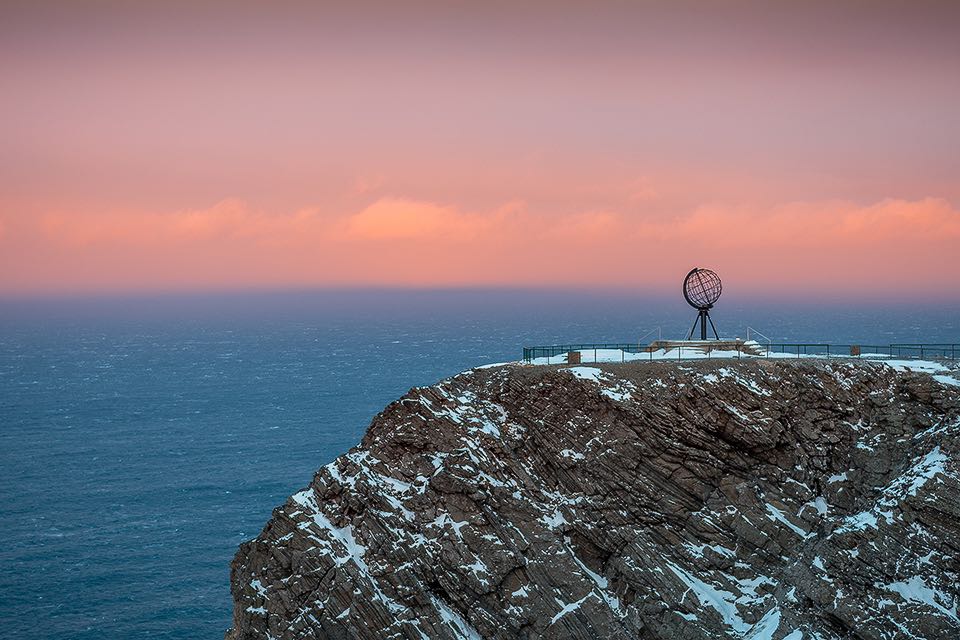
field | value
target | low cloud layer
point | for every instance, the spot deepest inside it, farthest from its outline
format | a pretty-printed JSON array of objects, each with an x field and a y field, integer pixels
[{"x": 833, "y": 247}]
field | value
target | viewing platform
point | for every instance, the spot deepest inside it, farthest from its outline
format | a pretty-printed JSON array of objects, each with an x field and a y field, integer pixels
[{"x": 733, "y": 348}]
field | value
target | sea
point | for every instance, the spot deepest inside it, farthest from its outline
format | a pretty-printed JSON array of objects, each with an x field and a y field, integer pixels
[{"x": 142, "y": 438}]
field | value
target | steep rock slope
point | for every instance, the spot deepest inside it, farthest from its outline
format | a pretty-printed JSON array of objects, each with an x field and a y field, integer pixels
[{"x": 753, "y": 499}]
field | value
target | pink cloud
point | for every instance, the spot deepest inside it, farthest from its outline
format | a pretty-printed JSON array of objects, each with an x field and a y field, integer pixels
[
  {"x": 401, "y": 219},
  {"x": 831, "y": 246}
]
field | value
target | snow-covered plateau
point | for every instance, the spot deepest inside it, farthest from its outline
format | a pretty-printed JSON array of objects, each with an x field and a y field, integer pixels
[{"x": 656, "y": 496}]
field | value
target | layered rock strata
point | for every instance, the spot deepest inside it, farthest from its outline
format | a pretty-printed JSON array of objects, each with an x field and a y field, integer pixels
[{"x": 738, "y": 499}]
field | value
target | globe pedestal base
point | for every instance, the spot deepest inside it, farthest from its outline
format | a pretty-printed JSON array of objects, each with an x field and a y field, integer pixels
[{"x": 702, "y": 318}]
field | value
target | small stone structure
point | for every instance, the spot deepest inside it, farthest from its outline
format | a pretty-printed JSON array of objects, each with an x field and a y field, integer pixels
[{"x": 744, "y": 346}]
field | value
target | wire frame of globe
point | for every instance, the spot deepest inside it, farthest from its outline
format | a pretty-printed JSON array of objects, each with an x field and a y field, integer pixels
[{"x": 702, "y": 288}]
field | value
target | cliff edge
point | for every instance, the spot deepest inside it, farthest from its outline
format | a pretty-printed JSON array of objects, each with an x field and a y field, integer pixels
[{"x": 742, "y": 499}]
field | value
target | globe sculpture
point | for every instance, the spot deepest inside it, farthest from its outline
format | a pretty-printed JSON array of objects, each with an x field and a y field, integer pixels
[{"x": 701, "y": 290}]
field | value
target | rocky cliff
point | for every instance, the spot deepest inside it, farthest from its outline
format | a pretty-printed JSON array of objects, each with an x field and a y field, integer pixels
[{"x": 740, "y": 499}]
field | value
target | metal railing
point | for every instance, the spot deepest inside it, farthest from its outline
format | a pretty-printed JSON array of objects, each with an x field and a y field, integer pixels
[
  {"x": 532, "y": 353},
  {"x": 918, "y": 351},
  {"x": 945, "y": 351}
]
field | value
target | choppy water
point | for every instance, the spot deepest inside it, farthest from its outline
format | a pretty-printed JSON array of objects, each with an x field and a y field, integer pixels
[{"x": 142, "y": 440}]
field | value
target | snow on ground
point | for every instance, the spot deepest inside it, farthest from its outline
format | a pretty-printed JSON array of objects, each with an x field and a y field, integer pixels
[
  {"x": 455, "y": 621},
  {"x": 931, "y": 466},
  {"x": 915, "y": 365},
  {"x": 586, "y": 373},
  {"x": 721, "y": 601},
  {"x": 916, "y": 590},
  {"x": 611, "y": 387},
  {"x": 591, "y": 356},
  {"x": 775, "y": 514},
  {"x": 618, "y": 355},
  {"x": 944, "y": 373}
]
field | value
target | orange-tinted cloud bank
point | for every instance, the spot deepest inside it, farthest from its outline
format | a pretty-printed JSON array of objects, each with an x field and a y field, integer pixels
[{"x": 207, "y": 145}]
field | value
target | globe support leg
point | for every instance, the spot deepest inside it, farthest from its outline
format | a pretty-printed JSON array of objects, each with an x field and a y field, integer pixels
[
  {"x": 693, "y": 328},
  {"x": 702, "y": 318},
  {"x": 715, "y": 334}
]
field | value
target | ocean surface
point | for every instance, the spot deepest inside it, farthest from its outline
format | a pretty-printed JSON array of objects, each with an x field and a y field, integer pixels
[{"x": 142, "y": 439}]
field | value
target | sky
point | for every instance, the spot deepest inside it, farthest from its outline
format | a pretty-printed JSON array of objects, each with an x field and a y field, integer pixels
[{"x": 802, "y": 147}]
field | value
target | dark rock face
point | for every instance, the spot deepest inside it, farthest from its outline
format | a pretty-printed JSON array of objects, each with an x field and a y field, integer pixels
[{"x": 740, "y": 499}]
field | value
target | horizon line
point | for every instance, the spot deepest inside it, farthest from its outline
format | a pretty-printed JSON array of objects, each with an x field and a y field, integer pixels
[{"x": 831, "y": 297}]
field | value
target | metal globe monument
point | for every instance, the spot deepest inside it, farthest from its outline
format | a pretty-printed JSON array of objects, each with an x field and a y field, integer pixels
[{"x": 701, "y": 290}]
